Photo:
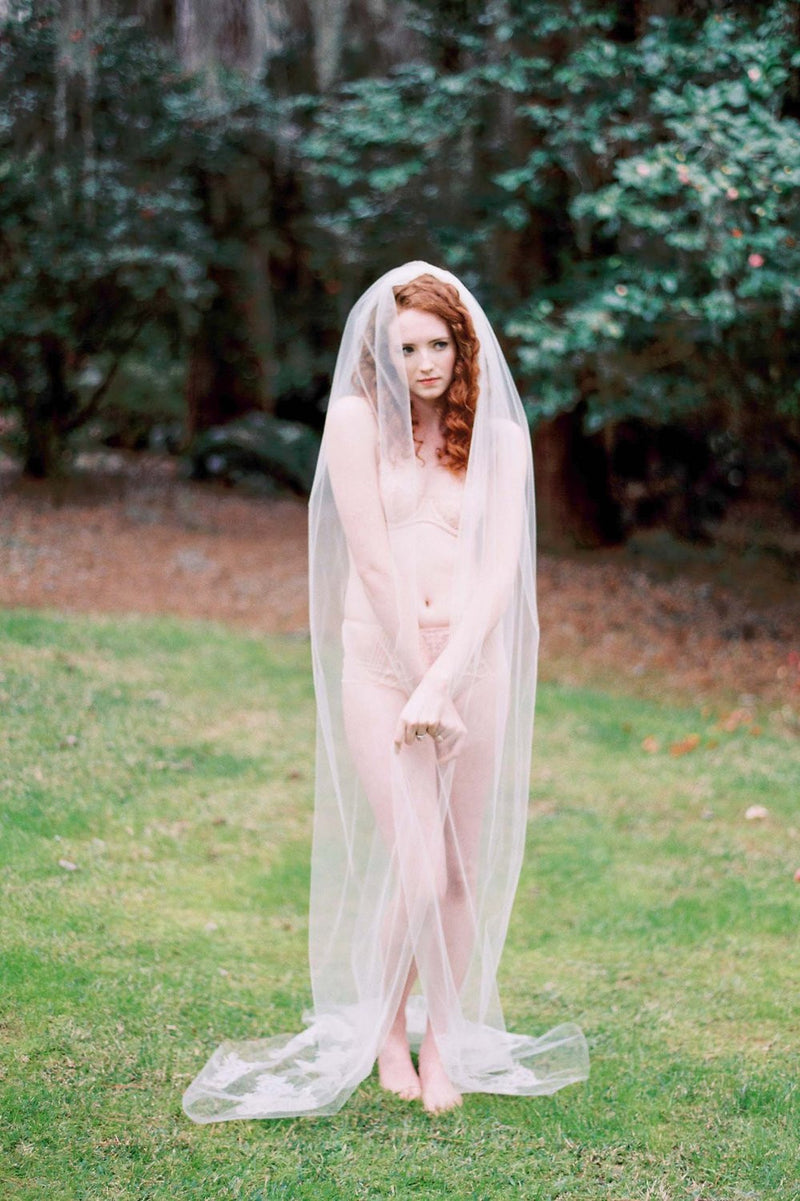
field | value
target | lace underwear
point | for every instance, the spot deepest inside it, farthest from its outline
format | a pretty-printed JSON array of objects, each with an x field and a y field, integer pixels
[{"x": 368, "y": 657}]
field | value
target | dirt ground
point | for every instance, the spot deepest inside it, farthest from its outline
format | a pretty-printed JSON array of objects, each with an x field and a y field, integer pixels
[{"x": 125, "y": 534}]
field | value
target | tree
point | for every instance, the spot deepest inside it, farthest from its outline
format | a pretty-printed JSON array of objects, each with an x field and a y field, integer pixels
[
  {"x": 100, "y": 234},
  {"x": 630, "y": 213},
  {"x": 683, "y": 293},
  {"x": 617, "y": 182}
]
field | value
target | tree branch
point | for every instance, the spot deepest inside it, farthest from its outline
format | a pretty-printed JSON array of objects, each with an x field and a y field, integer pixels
[{"x": 84, "y": 414}]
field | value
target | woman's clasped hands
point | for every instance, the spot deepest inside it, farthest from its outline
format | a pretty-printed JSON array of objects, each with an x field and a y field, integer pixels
[{"x": 430, "y": 712}]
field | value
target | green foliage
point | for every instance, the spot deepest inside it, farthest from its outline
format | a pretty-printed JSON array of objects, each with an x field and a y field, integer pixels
[
  {"x": 144, "y": 406},
  {"x": 256, "y": 448},
  {"x": 682, "y": 182},
  {"x": 659, "y": 177},
  {"x": 157, "y": 795},
  {"x": 380, "y": 154},
  {"x": 99, "y": 227},
  {"x": 626, "y": 207}
]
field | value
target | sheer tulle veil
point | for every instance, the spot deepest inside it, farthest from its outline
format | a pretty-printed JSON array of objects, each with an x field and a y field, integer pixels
[{"x": 358, "y": 881}]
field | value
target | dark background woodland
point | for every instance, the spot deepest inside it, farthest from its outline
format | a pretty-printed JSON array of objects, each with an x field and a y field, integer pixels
[{"x": 194, "y": 192}]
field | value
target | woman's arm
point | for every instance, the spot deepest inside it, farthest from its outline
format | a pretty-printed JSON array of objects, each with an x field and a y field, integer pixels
[
  {"x": 504, "y": 527},
  {"x": 505, "y": 517},
  {"x": 351, "y": 444}
]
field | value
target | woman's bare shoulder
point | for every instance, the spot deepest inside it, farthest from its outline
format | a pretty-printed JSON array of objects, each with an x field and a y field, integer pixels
[
  {"x": 351, "y": 429},
  {"x": 351, "y": 410},
  {"x": 510, "y": 435},
  {"x": 507, "y": 427}
]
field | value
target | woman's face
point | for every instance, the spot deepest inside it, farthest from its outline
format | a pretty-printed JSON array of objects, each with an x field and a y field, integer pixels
[{"x": 429, "y": 354}]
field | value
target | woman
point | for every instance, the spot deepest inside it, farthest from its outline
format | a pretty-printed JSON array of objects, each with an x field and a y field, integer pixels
[{"x": 424, "y": 642}]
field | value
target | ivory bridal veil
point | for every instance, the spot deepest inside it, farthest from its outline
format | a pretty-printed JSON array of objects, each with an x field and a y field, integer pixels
[{"x": 429, "y": 890}]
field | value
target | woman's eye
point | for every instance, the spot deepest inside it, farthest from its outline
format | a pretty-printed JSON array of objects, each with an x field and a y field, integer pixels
[
  {"x": 440, "y": 345},
  {"x": 408, "y": 350}
]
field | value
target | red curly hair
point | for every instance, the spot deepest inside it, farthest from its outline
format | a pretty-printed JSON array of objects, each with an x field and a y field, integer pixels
[{"x": 428, "y": 294}]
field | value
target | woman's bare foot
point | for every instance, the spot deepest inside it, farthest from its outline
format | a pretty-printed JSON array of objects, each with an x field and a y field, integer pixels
[
  {"x": 438, "y": 1092},
  {"x": 396, "y": 1071}
]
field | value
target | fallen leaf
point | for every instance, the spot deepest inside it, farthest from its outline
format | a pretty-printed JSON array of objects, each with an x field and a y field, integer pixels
[
  {"x": 689, "y": 743},
  {"x": 68, "y": 865},
  {"x": 738, "y": 717},
  {"x": 651, "y": 745}
]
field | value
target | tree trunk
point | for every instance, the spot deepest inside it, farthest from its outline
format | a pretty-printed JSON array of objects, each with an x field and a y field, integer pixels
[
  {"x": 42, "y": 445},
  {"x": 573, "y": 501},
  {"x": 226, "y": 376},
  {"x": 42, "y": 413},
  {"x": 328, "y": 21},
  {"x": 231, "y": 360},
  {"x": 230, "y": 33}
]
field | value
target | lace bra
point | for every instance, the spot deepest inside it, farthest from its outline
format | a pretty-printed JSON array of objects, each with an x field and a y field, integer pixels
[
  {"x": 428, "y": 512},
  {"x": 404, "y": 505}
]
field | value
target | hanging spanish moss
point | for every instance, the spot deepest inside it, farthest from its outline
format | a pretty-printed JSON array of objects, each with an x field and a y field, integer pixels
[{"x": 235, "y": 34}]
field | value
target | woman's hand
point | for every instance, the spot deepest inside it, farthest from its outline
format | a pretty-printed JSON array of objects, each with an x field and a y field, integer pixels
[{"x": 429, "y": 712}]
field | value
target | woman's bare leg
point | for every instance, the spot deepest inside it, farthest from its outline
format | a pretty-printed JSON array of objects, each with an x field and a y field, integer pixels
[
  {"x": 436, "y": 866},
  {"x": 396, "y": 1070},
  {"x": 371, "y": 712},
  {"x": 472, "y": 779}
]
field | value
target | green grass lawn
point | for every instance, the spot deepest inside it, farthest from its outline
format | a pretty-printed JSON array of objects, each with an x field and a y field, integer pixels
[{"x": 171, "y": 764}]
